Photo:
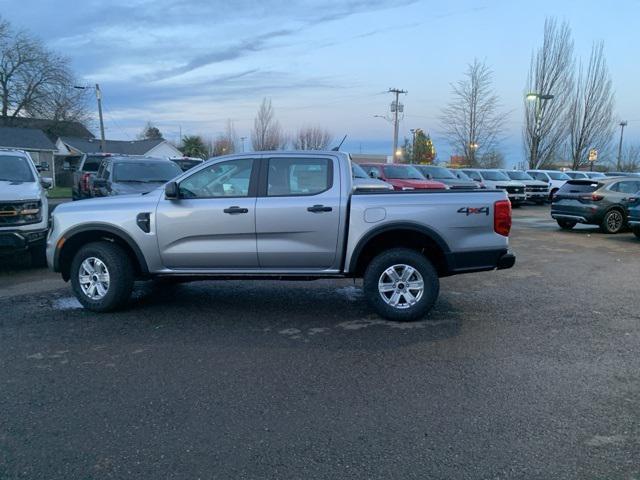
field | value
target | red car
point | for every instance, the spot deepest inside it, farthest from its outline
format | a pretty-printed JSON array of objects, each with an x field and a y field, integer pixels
[{"x": 402, "y": 177}]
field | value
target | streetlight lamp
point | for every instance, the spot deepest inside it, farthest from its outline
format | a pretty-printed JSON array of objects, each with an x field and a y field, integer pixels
[
  {"x": 538, "y": 98},
  {"x": 103, "y": 143}
]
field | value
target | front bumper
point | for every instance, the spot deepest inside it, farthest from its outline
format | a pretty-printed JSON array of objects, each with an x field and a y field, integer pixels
[
  {"x": 17, "y": 240},
  {"x": 537, "y": 195},
  {"x": 517, "y": 197}
]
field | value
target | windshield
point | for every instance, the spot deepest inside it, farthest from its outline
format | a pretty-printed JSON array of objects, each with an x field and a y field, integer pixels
[
  {"x": 145, "y": 171},
  {"x": 402, "y": 172},
  {"x": 15, "y": 169},
  {"x": 493, "y": 175},
  {"x": 596, "y": 175},
  {"x": 461, "y": 175},
  {"x": 437, "y": 172},
  {"x": 558, "y": 176},
  {"x": 518, "y": 175},
  {"x": 358, "y": 171}
]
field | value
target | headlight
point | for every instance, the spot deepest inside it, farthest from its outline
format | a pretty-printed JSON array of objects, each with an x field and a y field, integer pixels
[{"x": 31, "y": 211}]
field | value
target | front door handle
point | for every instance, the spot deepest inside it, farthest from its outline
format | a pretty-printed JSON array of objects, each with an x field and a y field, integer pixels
[
  {"x": 235, "y": 210},
  {"x": 319, "y": 208}
]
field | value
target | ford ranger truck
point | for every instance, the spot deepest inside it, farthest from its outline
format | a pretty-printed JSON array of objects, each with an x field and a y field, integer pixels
[{"x": 281, "y": 216}]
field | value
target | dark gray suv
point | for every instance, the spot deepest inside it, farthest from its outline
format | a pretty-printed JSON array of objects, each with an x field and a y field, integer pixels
[{"x": 602, "y": 202}]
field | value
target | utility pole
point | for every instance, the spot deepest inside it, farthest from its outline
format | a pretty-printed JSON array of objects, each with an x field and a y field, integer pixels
[
  {"x": 396, "y": 107},
  {"x": 413, "y": 145},
  {"x": 103, "y": 143},
  {"x": 242, "y": 139},
  {"x": 622, "y": 125}
]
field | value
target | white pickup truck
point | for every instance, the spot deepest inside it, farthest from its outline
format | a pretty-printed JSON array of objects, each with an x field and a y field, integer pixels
[{"x": 281, "y": 215}]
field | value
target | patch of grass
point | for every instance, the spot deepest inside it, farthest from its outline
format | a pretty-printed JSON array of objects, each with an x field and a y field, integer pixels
[{"x": 59, "y": 192}]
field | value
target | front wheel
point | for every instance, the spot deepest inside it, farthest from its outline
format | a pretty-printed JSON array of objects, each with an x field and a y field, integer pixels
[
  {"x": 612, "y": 222},
  {"x": 566, "y": 224},
  {"x": 102, "y": 276},
  {"x": 401, "y": 285}
]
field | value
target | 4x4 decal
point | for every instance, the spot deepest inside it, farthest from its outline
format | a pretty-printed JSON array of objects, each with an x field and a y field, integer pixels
[{"x": 474, "y": 210}]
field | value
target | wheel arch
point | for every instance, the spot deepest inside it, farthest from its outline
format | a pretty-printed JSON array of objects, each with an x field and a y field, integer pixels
[
  {"x": 401, "y": 234},
  {"x": 76, "y": 237}
]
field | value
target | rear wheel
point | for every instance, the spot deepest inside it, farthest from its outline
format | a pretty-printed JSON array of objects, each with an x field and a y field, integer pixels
[
  {"x": 102, "y": 276},
  {"x": 566, "y": 224},
  {"x": 401, "y": 285},
  {"x": 613, "y": 222}
]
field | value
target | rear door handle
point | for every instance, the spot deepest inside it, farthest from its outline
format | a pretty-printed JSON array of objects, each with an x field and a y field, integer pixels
[
  {"x": 319, "y": 209},
  {"x": 235, "y": 210}
]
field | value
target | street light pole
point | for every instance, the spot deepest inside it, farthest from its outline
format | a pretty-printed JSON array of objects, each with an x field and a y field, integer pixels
[
  {"x": 242, "y": 139},
  {"x": 622, "y": 125}
]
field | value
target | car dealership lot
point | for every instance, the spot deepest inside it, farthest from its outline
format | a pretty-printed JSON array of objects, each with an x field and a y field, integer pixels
[{"x": 525, "y": 373}]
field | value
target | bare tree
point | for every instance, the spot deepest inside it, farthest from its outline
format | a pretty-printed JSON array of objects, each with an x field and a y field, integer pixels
[
  {"x": 312, "y": 138},
  {"x": 491, "y": 159},
  {"x": 35, "y": 81},
  {"x": 590, "y": 115},
  {"x": 631, "y": 159},
  {"x": 267, "y": 133},
  {"x": 225, "y": 143},
  {"x": 549, "y": 86},
  {"x": 472, "y": 122}
]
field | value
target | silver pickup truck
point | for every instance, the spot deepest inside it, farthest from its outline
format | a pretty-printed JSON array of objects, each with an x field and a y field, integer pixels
[{"x": 281, "y": 215}]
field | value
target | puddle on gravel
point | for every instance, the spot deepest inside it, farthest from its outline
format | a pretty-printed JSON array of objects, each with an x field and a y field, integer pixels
[{"x": 67, "y": 303}]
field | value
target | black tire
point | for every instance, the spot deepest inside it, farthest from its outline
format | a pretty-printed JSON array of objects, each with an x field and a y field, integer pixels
[
  {"x": 38, "y": 254},
  {"x": 121, "y": 276},
  {"x": 551, "y": 194},
  {"x": 566, "y": 224},
  {"x": 613, "y": 222},
  {"x": 413, "y": 259},
  {"x": 636, "y": 231}
]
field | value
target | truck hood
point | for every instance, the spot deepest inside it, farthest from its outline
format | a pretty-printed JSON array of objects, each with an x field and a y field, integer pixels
[
  {"x": 370, "y": 184},
  {"x": 16, "y": 191},
  {"x": 456, "y": 182},
  {"x": 110, "y": 203},
  {"x": 414, "y": 183}
]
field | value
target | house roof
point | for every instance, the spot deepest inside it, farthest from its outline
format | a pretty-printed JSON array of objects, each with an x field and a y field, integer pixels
[
  {"x": 52, "y": 128},
  {"x": 25, "y": 138},
  {"x": 129, "y": 147}
]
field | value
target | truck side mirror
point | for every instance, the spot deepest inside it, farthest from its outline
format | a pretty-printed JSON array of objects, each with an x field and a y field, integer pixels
[
  {"x": 373, "y": 174},
  {"x": 172, "y": 191},
  {"x": 46, "y": 182}
]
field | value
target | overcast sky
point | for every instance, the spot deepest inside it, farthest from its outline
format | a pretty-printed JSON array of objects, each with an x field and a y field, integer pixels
[{"x": 195, "y": 63}]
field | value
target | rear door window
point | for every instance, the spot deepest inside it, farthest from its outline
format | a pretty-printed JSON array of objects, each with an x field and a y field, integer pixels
[{"x": 298, "y": 176}]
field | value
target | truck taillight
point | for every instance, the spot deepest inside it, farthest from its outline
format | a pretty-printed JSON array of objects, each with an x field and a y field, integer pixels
[
  {"x": 502, "y": 217},
  {"x": 85, "y": 182}
]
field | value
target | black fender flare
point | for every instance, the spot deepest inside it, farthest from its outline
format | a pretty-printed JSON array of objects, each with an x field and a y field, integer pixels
[
  {"x": 104, "y": 227},
  {"x": 416, "y": 227}
]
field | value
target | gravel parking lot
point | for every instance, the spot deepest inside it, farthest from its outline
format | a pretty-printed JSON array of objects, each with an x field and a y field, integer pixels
[{"x": 525, "y": 373}]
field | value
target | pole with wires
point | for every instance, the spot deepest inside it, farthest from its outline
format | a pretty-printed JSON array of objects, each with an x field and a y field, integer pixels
[{"x": 396, "y": 108}]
